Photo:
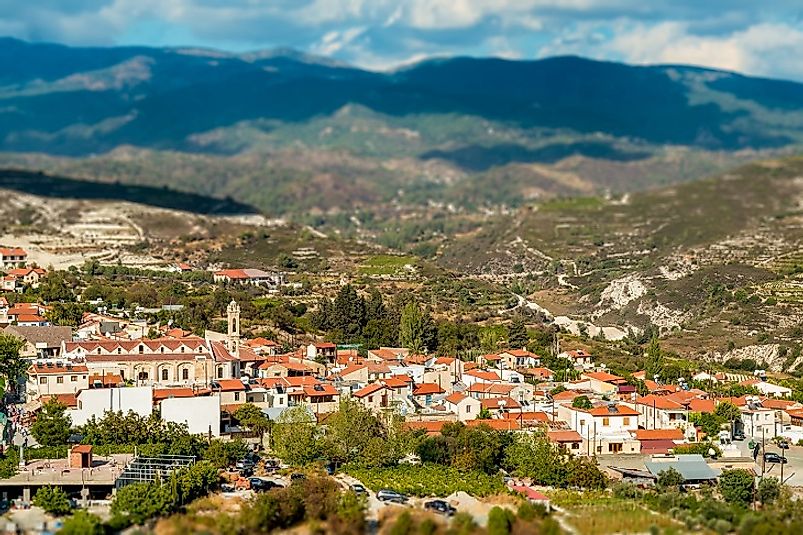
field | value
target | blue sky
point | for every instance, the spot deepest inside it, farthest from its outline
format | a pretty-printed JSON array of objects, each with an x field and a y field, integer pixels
[{"x": 751, "y": 36}]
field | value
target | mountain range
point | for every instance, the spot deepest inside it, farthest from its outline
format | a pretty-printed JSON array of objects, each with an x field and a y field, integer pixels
[{"x": 78, "y": 101}]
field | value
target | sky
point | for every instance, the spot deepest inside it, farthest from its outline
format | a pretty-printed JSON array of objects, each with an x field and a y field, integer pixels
[{"x": 758, "y": 37}]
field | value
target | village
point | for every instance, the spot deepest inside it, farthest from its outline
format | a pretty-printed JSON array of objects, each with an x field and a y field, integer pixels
[{"x": 632, "y": 429}]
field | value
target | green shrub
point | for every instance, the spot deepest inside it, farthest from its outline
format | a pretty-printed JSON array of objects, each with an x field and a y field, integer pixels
[
  {"x": 500, "y": 521},
  {"x": 428, "y": 480},
  {"x": 82, "y": 523},
  {"x": 53, "y": 500}
]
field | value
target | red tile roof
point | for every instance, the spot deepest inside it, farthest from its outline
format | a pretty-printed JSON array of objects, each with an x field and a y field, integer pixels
[
  {"x": 165, "y": 393},
  {"x": 484, "y": 375},
  {"x": 564, "y": 436},
  {"x": 431, "y": 428},
  {"x": 532, "y": 416},
  {"x": 41, "y": 369},
  {"x": 455, "y": 398},
  {"x": 320, "y": 390},
  {"x": 368, "y": 390},
  {"x": 659, "y": 434},
  {"x": 605, "y": 377},
  {"x": 231, "y": 385},
  {"x": 621, "y": 410},
  {"x": 497, "y": 425},
  {"x": 70, "y": 400},
  {"x": 498, "y": 403},
  {"x": 427, "y": 389}
]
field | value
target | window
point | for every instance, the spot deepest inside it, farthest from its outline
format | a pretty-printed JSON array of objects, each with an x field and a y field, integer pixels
[
  {"x": 606, "y": 421},
  {"x": 615, "y": 447},
  {"x": 164, "y": 374},
  {"x": 626, "y": 421},
  {"x": 220, "y": 372},
  {"x": 468, "y": 408},
  {"x": 575, "y": 445},
  {"x": 141, "y": 348},
  {"x": 43, "y": 380},
  {"x": 185, "y": 374},
  {"x": 60, "y": 379},
  {"x": 236, "y": 396},
  {"x": 73, "y": 378}
]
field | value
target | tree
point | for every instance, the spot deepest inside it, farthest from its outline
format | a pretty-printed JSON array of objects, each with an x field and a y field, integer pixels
[
  {"x": 736, "y": 486},
  {"x": 296, "y": 438},
  {"x": 728, "y": 412},
  {"x": 53, "y": 288},
  {"x": 69, "y": 314},
  {"x": 348, "y": 314},
  {"x": 353, "y": 431},
  {"x": 138, "y": 502},
  {"x": 253, "y": 418},
  {"x": 52, "y": 425},
  {"x": 654, "y": 362},
  {"x": 517, "y": 337},
  {"x": 82, "y": 523},
  {"x": 416, "y": 330},
  {"x": 225, "y": 453},
  {"x": 11, "y": 365},
  {"x": 669, "y": 479},
  {"x": 582, "y": 402},
  {"x": 484, "y": 414},
  {"x": 769, "y": 489},
  {"x": 53, "y": 500}
]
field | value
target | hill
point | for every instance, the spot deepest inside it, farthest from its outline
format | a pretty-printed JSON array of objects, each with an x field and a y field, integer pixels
[
  {"x": 292, "y": 134},
  {"x": 714, "y": 264}
]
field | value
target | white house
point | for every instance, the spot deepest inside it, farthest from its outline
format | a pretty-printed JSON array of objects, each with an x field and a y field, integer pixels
[
  {"x": 466, "y": 408},
  {"x": 201, "y": 414},
  {"x": 96, "y": 402},
  {"x": 606, "y": 429}
]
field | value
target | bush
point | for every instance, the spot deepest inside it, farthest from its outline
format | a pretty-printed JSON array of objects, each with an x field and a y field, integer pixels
[
  {"x": 768, "y": 490},
  {"x": 53, "y": 500},
  {"x": 500, "y": 521},
  {"x": 428, "y": 480},
  {"x": 82, "y": 523},
  {"x": 736, "y": 486},
  {"x": 669, "y": 479}
]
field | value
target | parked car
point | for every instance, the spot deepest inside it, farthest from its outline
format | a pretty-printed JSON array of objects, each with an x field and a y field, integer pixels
[
  {"x": 259, "y": 485},
  {"x": 246, "y": 472},
  {"x": 359, "y": 489},
  {"x": 784, "y": 445},
  {"x": 297, "y": 476},
  {"x": 738, "y": 435},
  {"x": 440, "y": 506},
  {"x": 771, "y": 457},
  {"x": 245, "y": 464},
  {"x": 387, "y": 495}
]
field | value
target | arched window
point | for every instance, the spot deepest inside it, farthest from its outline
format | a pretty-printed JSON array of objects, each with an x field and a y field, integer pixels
[
  {"x": 164, "y": 374},
  {"x": 141, "y": 348}
]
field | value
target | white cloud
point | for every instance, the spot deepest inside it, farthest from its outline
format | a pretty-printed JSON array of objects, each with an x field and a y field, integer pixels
[
  {"x": 741, "y": 35},
  {"x": 764, "y": 48}
]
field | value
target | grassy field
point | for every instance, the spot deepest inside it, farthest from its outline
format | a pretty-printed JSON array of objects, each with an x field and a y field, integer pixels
[
  {"x": 387, "y": 265},
  {"x": 599, "y": 513}
]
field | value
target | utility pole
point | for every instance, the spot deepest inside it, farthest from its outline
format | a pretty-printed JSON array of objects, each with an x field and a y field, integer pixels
[{"x": 763, "y": 450}]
